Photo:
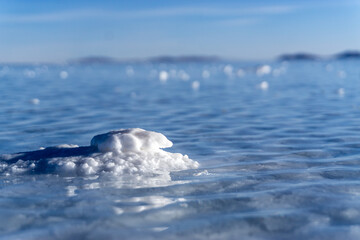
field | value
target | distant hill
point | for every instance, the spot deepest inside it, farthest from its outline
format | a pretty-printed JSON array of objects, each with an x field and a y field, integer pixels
[
  {"x": 160, "y": 59},
  {"x": 298, "y": 56},
  {"x": 348, "y": 55},
  {"x": 177, "y": 59},
  {"x": 95, "y": 60},
  {"x": 203, "y": 59},
  {"x": 308, "y": 56}
]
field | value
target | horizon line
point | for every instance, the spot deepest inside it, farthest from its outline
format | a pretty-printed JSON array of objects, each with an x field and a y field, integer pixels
[{"x": 174, "y": 58}]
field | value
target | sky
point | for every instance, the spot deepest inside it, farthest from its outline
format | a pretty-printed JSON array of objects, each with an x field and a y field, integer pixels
[{"x": 57, "y": 31}]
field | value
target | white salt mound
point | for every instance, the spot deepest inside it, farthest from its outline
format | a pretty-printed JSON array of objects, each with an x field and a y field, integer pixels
[
  {"x": 35, "y": 101},
  {"x": 195, "y": 85},
  {"x": 130, "y": 140},
  {"x": 64, "y": 74},
  {"x": 129, "y": 154},
  {"x": 228, "y": 70},
  {"x": 163, "y": 76},
  {"x": 263, "y": 70},
  {"x": 205, "y": 74},
  {"x": 341, "y": 91},
  {"x": 264, "y": 85}
]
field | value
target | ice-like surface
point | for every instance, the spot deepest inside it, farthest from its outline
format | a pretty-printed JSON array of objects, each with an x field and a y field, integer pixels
[
  {"x": 132, "y": 154},
  {"x": 276, "y": 164}
]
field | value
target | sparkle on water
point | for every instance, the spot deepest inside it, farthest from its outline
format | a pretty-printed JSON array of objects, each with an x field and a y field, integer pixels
[{"x": 276, "y": 164}]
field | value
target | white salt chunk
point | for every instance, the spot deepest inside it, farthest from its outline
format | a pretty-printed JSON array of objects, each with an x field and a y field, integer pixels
[
  {"x": 129, "y": 71},
  {"x": 240, "y": 73},
  {"x": 64, "y": 74},
  {"x": 342, "y": 74},
  {"x": 195, "y": 85},
  {"x": 341, "y": 92},
  {"x": 228, "y": 70},
  {"x": 263, "y": 70},
  {"x": 183, "y": 75},
  {"x": 264, "y": 85},
  {"x": 71, "y": 191},
  {"x": 30, "y": 73},
  {"x": 205, "y": 74},
  {"x": 163, "y": 76},
  {"x": 35, "y": 101}
]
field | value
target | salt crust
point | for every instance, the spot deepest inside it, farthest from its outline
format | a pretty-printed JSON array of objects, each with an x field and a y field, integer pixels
[{"x": 127, "y": 153}]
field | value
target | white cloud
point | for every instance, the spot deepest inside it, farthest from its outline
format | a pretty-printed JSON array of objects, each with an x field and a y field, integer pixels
[
  {"x": 207, "y": 11},
  {"x": 50, "y": 17},
  {"x": 146, "y": 13}
]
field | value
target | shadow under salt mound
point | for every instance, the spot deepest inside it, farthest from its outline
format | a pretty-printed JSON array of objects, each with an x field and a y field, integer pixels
[{"x": 50, "y": 152}]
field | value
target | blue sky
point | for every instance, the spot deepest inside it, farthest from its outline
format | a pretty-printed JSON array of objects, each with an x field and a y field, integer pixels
[{"x": 41, "y": 31}]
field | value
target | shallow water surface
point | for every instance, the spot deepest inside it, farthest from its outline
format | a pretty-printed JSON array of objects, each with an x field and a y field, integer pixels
[{"x": 278, "y": 151}]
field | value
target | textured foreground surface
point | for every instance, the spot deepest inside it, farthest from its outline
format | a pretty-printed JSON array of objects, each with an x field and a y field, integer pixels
[
  {"x": 278, "y": 148},
  {"x": 131, "y": 154}
]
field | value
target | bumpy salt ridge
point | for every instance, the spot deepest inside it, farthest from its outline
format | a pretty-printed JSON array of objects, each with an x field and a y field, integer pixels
[{"x": 126, "y": 153}]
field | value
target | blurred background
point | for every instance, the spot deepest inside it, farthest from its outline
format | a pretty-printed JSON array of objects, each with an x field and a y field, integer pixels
[{"x": 58, "y": 31}]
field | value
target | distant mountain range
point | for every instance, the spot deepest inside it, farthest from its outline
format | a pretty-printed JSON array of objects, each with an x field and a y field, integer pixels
[
  {"x": 203, "y": 59},
  {"x": 298, "y": 56},
  {"x": 308, "y": 56},
  {"x": 348, "y": 55},
  {"x": 170, "y": 59},
  {"x": 95, "y": 60},
  {"x": 159, "y": 59}
]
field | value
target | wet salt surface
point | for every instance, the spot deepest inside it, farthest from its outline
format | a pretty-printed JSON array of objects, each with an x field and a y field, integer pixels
[{"x": 275, "y": 164}]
